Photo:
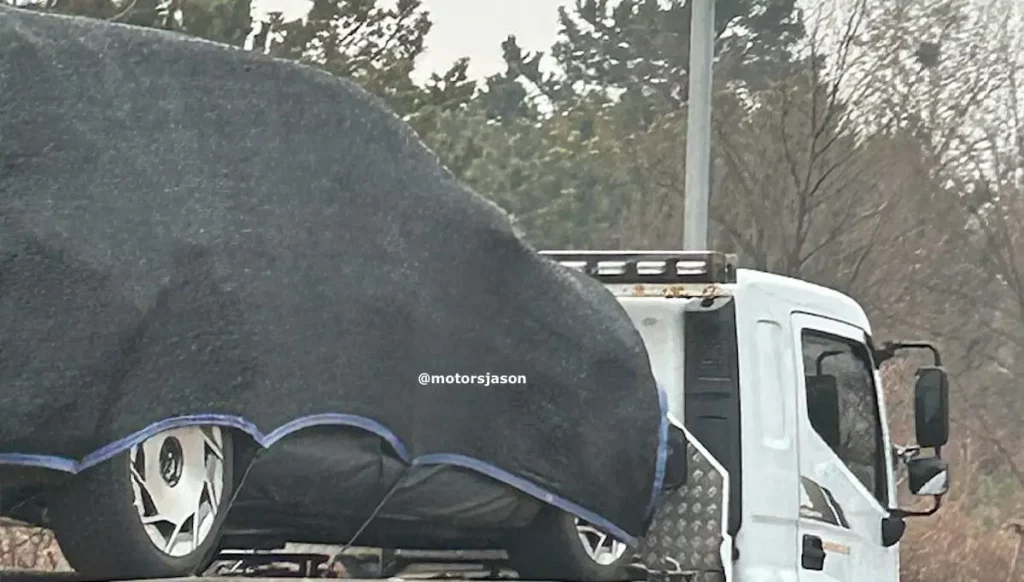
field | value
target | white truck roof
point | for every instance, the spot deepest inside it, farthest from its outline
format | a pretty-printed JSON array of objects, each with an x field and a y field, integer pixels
[{"x": 801, "y": 294}]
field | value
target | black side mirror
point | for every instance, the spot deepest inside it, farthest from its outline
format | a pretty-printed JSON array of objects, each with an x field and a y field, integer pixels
[
  {"x": 823, "y": 408},
  {"x": 928, "y": 476},
  {"x": 931, "y": 407}
]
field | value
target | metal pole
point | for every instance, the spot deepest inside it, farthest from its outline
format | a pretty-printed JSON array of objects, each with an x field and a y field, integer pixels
[
  {"x": 1016, "y": 527},
  {"x": 698, "y": 125}
]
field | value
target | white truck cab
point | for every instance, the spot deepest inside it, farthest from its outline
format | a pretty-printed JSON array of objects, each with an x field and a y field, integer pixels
[{"x": 775, "y": 383}]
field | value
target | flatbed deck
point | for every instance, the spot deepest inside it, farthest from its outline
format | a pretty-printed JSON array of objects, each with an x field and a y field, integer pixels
[
  {"x": 28, "y": 576},
  {"x": 33, "y": 576}
]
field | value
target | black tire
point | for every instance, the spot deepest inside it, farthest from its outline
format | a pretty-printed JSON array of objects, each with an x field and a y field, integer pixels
[
  {"x": 101, "y": 534},
  {"x": 551, "y": 549}
]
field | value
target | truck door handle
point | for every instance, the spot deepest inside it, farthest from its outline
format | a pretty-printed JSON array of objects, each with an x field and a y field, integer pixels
[{"x": 813, "y": 556}]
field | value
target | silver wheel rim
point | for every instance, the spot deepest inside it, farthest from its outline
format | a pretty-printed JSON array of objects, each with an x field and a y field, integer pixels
[
  {"x": 602, "y": 548},
  {"x": 177, "y": 479}
]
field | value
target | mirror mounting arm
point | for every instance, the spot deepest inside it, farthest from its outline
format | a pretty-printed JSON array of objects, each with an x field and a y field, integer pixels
[
  {"x": 890, "y": 349},
  {"x": 903, "y": 513}
]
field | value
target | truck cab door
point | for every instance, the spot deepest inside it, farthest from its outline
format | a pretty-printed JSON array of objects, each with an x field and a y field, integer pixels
[{"x": 844, "y": 456}]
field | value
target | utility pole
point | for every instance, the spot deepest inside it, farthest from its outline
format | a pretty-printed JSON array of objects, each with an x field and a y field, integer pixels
[
  {"x": 698, "y": 125},
  {"x": 1016, "y": 527}
]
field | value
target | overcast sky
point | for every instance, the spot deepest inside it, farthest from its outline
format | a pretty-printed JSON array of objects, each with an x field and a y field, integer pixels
[{"x": 472, "y": 28}]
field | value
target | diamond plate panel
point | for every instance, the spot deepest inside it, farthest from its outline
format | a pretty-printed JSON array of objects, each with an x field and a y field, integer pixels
[{"x": 686, "y": 533}]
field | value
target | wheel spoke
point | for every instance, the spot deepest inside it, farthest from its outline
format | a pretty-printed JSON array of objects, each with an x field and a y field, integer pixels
[
  {"x": 173, "y": 538},
  {"x": 138, "y": 488},
  {"x": 135, "y": 475},
  {"x": 197, "y": 525},
  {"x": 210, "y": 485},
  {"x": 586, "y": 546},
  {"x": 213, "y": 440},
  {"x": 618, "y": 548}
]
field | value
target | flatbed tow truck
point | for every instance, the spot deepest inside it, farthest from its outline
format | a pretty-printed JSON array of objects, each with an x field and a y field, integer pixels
[{"x": 790, "y": 468}]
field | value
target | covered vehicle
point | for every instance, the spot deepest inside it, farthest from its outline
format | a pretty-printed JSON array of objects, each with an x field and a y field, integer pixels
[{"x": 208, "y": 256}]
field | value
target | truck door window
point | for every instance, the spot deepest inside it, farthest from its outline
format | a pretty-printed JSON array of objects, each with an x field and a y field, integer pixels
[{"x": 859, "y": 442}]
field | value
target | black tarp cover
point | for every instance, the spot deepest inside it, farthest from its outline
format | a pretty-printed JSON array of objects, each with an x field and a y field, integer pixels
[{"x": 191, "y": 233}]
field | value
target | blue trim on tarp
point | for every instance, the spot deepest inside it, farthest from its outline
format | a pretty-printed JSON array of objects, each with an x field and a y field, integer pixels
[
  {"x": 42, "y": 461},
  {"x": 337, "y": 419},
  {"x": 326, "y": 419},
  {"x": 662, "y": 458}
]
